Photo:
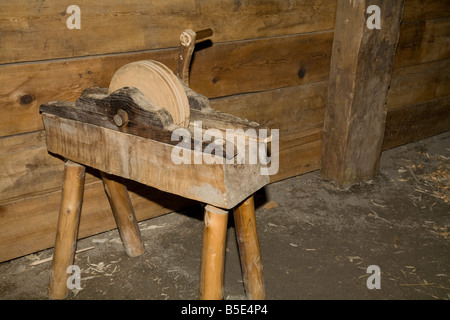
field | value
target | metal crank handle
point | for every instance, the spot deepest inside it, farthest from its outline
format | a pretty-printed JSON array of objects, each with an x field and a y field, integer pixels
[{"x": 187, "y": 45}]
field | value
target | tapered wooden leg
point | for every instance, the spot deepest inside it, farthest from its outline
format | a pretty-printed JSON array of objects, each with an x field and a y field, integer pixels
[
  {"x": 67, "y": 230},
  {"x": 213, "y": 253},
  {"x": 249, "y": 251},
  {"x": 122, "y": 209}
]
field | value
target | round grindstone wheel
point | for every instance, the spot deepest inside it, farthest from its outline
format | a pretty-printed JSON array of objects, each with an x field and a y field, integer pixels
[{"x": 160, "y": 86}]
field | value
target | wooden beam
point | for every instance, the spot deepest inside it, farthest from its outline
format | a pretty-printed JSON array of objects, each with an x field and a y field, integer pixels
[{"x": 360, "y": 73}]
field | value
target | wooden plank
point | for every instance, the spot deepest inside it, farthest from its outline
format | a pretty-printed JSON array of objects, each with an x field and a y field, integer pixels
[
  {"x": 415, "y": 122},
  {"x": 297, "y": 112},
  {"x": 29, "y": 224},
  {"x": 262, "y": 64},
  {"x": 425, "y": 9},
  {"x": 423, "y": 41},
  {"x": 289, "y": 109},
  {"x": 221, "y": 70},
  {"x": 360, "y": 74},
  {"x": 419, "y": 83},
  {"x": 299, "y": 159},
  {"x": 26, "y": 86},
  {"x": 27, "y": 168},
  {"x": 37, "y": 31}
]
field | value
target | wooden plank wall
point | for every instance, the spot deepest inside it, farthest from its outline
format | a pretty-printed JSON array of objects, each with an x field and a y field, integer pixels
[
  {"x": 418, "y": 101},
  {"x": 257, "y": 46},
  {"x": 269, "y": 62}
]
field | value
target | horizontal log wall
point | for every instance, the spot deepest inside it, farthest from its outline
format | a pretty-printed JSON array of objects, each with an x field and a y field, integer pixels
[
  {"x": 268, "y": 61},
  {"x": 418, "y": 101}
]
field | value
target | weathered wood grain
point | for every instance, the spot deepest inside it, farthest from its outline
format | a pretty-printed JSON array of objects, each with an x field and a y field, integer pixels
[
  {"x": 423, "y": 41},
  {"x": 152, "y": 163},
  {"x": 419, "y": 83},
  {"x": 25, "y": 162},
  {"x": 415, "y": 122},
  {"x": 262, "y": 64},
  {"x": 425, "y": 9},
  {"x": 67, "y": 229},
  {"x": 33, "y": 31},
  {"x": 249, "y": 250},
  {"x": 360, "y": 74},
  {"x": 289, "y": 109}
]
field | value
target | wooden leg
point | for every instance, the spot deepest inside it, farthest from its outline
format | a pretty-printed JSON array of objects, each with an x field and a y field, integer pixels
[
  {"x": 124, "y": 215},
  {"x": 67, "y": 230},
  {"x": 213, "y": 253},
  {"x": 250, "y": 254}
]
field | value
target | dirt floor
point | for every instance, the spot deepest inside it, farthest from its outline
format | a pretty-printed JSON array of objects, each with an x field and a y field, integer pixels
[{"x": 317, "y": 242}]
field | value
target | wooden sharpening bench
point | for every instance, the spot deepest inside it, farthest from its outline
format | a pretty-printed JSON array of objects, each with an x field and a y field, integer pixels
[{"x": 125, "y": 132}]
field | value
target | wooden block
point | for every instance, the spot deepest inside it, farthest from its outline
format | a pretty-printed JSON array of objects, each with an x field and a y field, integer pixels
[
  {"x": 26, "y": 159},
  {"x": 150, "y": 162}
]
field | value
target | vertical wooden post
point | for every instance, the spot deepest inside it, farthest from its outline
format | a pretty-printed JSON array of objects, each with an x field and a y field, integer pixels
[
  {"x": 360, "y": 74},
  {"x": 122, "y": 209},
  {"x": 67, "y": 230},
  {"x": 213, "y": 253},
  {"x": 249, "y": 251}
]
